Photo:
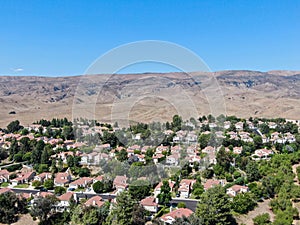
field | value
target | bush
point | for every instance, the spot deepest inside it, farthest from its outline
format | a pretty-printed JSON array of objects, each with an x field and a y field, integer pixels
[
  {"x": 59, "y": 190},
  {"x": 36, "y": 183},
  {"x": 181, "y": 205},
  {"x": 262, "y": 219},
  {"x": 49, "y": 184},
  {"x": 14, "y": 167}
]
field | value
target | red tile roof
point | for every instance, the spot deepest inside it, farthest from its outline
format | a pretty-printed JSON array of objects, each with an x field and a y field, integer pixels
[
  {"x": 94, "y": 201},
  {"x": 149, "y": 201},
  {"x": 178, "y": 213},
  {"x": 66, "y": 197}
]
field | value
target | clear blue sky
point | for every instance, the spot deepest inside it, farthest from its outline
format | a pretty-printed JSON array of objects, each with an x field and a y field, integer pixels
[{"x": 60, "y": 37}]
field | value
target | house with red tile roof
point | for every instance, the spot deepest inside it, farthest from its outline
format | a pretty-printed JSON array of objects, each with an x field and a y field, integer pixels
[
  {"x": 120, "y": 183},
  {"x": 236, "y": 189},
  {"x": 185, "y": 187},
  {"x": 160, "y": 149},
  {"x": 157, "y": 189},
  {"x": 23, "y": 178},
  {"x": 237, "y": 150},
  {"x": 98, "y": 178},
  {"x": 43, "y": 176},
  {"x": 95, "y": 201},
  {"x": 150, "y": 204},
  {"x": 173, "y": 159},
  {"x": 61, "y": 179},
  {"x": 170, "y": 217},
  {"x": 4, "y": 176},
  {"x": 157, "y": 157},
  {"x": 82, "y": 182},
  {"x": 261, "y": 154},
  {"x": 210, "y": 183},
  {"x": 64, "y": 201}
]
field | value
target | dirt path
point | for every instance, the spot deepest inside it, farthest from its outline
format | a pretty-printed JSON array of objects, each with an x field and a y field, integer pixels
[
  {"x": 24, "y": 220},
  {"x": 296, "y": 180},
  {"x": 263, "y": 207}
]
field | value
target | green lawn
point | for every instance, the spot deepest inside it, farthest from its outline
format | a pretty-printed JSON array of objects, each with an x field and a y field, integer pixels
[
  {"x": 79, "y": 189},
  {"x": 4, "y": 184},
  {"x": 22, "y": 186}
]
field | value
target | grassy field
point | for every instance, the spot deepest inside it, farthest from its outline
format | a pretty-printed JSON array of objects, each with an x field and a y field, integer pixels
[
  {"x": 22, "y": 186},
  {"x": 4, "y": 184}
]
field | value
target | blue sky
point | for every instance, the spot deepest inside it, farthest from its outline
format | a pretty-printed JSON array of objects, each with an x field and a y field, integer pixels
[{"x": 61, "y": 37}]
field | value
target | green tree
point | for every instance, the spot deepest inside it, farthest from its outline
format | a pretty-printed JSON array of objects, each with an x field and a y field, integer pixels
[
  {"x": 84, "y": 172},
  {"x": 10, "y": 207},
  {"x": 98, "y": 187},
  {"x": 243, "y": 203},
  {"x": 177, "y": 122},
  {"x": 203, "y": 140},
  {"x": 252, "y": 171},
  {"x": 36, "y": 183},
  {"x": 165, "y": 195},
  {"x": 122, "y": 155},
  {"x": 59, "y": 190},
  {"x": 122, "y": 211},
  {"x": 214, "y": 207},
  {"x": 139, "y": 189},
  {"x": 262, "y": 219},
  {"x": 138, "y": 215},
  {"x": 45, "y": 157},
  {"x": 13, "y": 149},
  {"x": 14, "y": 126},
  {"x": 37, "y": 152},
  {"x": 42, "y": 207},
  {"x": 257, "y": 141},
  {"x": 49, "y": 184}
]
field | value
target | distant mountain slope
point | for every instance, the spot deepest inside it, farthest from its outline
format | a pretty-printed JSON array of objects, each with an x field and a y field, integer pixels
[{"x": 146, "y": 97}]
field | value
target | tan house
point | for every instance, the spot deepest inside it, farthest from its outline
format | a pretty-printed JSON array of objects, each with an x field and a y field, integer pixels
[
  {"x": 236, "y": 189},
  {"x": 120, "y": 183},
  {"x": 62, "y": 179},
  {"x": 185, "y": 187}
]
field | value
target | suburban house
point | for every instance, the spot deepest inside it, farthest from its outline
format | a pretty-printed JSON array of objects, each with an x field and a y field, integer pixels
[
  {"x": 120, "y": 183},
  {"x": 23, "y": 178},
  {"x": 82, "y": 182},
  {"x": 150, "y": 204},
  {"x": 96, "y": 201},
  {"x": 157, "y": 157},
  {"x": 210, "y": 183},
  {"x": 61, "y": 179},
  {"x": 185, "y": 187},
  {"x": 237, "y": 150},
  {"x": 4, "y": 176},
  {"x": 194, "y": 158},
  {"x": 64, "y": 201},
  {"x": 262, "y": 154},
  {"x": 161, "y": 149},
  {"x": 170, "y": 217},
  {"x": 173, "y": 159},
  {"x": 43, "y": 176},
  {"x": 236, "y": 189},
  {"x": 157, "y": 189},
  {"x": 98, "y": 178}
]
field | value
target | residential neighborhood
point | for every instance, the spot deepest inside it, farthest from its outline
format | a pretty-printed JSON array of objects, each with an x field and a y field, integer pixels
[{"x": 167, "y": 179}]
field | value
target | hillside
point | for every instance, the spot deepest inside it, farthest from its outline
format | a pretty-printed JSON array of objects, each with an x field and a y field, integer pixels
[{"x": 146, "y": 97}]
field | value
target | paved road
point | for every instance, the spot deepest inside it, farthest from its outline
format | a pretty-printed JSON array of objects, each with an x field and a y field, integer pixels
[{"x": 190, "y": 203}]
